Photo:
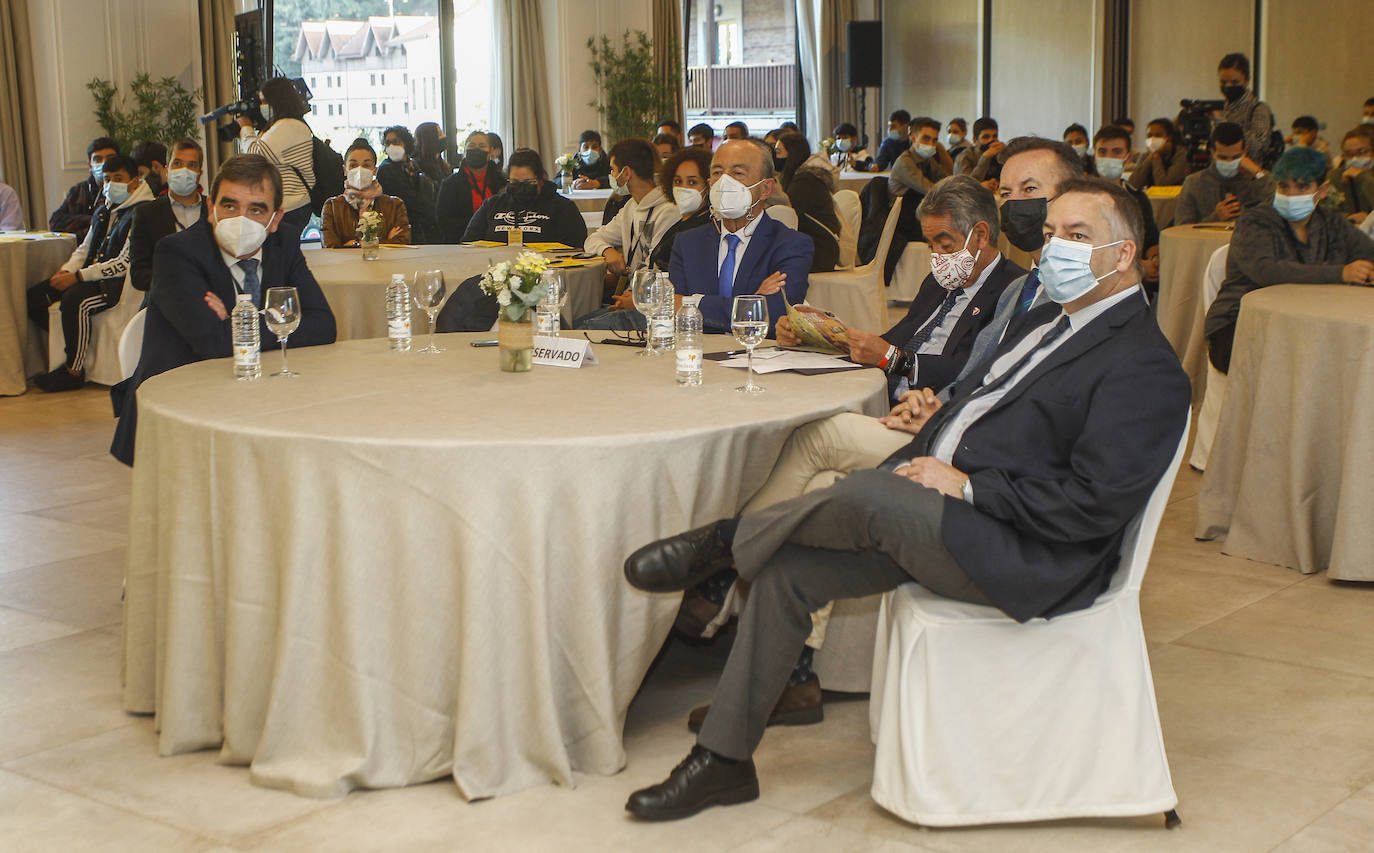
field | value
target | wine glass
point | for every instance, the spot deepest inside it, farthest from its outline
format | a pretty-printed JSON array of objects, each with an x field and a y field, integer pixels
[
  {"x": 551, "y": 305},
  {"x": 283, "y": 312},
  {"x": 429, "y": 292},
  {"x": 749, "y": 325},
  {"x": 644, "y": 290}
]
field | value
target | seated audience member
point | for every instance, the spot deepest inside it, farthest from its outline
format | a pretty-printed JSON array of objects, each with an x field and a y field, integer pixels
[
  {"x": 956, "y": 137},
  {"x": 198, "y": 274},
  {"x": 1076, "y": 137},
  {"x": 1304, "y": 135},
  {"x": 1111, "y": 147},
  {"x": 531, "y": 203},
  {"x": 1352, "y": 179},
  {"x": 811, "y": 192},
  {"x": 74, "y": 214},
  {"x": 666, "y": 145},
  {"x": 362, "y": 192},
  {"x": 789, "y": 126},
  {"x": 923, "y": 164},
  {"x": 92, "y": 279},
  {"x": 686, "y": 173},
  {"x": 736, "y": 130},
  {"x": 672, "y": 128},
  {"x": 848, "y": 151},
  {"x": 1224, "y": 189},
  {"x": 993, "y": 502},
  {"x": 431, "y": 152},
  {"x": 1297, "y": 240},
  {"x": 151, "y": 159},
  {"x": 288, "y": 142},
  {"x": 497, "y": 154},
  {"x": 11, "y": 212},
  {"x": 182, "y": 207},
  {"x": 1137, "y": 157},
  {"x": 403, "y": 176},
  {"x": 751, "y": 253},
  {"x": 980, "y": 161},
  {"x": 592, "y": 167},
  {"x": 1166, "y": 164},
  {"x": 468, "y": 188},
  {"x": 897, "y": 140},
  {"x": 1246, "y": 110},
  {"x": 702, "y": 136}
]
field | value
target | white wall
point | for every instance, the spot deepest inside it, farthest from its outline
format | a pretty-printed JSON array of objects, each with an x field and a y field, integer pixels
[
  {"x": 1046, "y": 66},
  {"x": 1316, "y": 61},
  {"x": 77, "y": 40},
  {"x": 932, "y": 63}
]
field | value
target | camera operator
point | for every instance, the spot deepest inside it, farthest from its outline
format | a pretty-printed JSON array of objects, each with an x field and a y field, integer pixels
[
  {"x": 287, "y": 142},
  {"x": 1248, "y": 111}
]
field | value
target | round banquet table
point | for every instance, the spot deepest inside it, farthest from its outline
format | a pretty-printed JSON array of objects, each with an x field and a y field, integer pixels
[
  {"x": 1164, "y": 208},
  {"x": 25, "y": 259},
  {"x": 1184, "y": 251},
  {"x": 399, "y": 567},
  {"x": 356, "y": 289},
  {"x": 856, "y": 181},
  {"x": 1291, "y": 476},
  {"x": 588, "y": 201}
]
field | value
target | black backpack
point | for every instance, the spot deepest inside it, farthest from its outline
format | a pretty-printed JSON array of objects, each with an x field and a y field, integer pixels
[{"x": 328, "y": 167}]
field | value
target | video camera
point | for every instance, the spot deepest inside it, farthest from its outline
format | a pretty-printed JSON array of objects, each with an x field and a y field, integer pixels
[
  {"x": 1195, "y": 125},
  {"x": 230, "y": 132}
]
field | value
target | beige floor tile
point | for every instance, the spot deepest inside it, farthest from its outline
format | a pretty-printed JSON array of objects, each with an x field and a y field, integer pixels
[
  {"x": 40, "y": 818},
  {"x": 1348, "y": 828},
  {"x": 192, "y": 792},
  {"x": 82, "y": 591},
  {"x": 1175, "y": 600},
  {"x": 48, "y": 481},
  {"x": 803, "y": 834},
  {"x": 105, "y": 513},
  {"x": 31, "y": 541},
  {"x": 18, "y": 629}
]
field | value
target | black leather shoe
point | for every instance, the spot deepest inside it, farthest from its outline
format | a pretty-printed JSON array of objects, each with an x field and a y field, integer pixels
[
  {"x": 703, "y": 779},
  {"x": 679, "y": 562}
]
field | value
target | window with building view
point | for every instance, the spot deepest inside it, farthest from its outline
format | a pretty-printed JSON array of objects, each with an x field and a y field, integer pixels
[{"x": 741, "y": 63}]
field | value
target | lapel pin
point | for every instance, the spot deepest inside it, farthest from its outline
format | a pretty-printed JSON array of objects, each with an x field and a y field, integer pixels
[{"x": 976, "y": 310}]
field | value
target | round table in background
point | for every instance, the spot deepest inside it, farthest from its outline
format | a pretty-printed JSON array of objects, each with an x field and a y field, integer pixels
[
  {"x": 588, "y": 201},
  {"x": 25, "y": 260},
  {"x": 398, "y": 567},
  {"x": 1184, "y": 251},
  {"x": 856, "y": 181},
  {"x": 1291, "y": 476},
  {"x": 356, "y": 289},
  {"x": 1164, "y": 208}
]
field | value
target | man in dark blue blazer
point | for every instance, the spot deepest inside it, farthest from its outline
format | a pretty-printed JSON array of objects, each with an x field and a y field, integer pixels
[
  {"x": 749, "y": 252},
  {"x": 198, "y": 273},
  {"x": 1017, "y": 493}
]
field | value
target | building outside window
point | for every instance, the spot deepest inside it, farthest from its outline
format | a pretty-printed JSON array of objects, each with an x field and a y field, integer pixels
[{"x": 741, "y": 63}]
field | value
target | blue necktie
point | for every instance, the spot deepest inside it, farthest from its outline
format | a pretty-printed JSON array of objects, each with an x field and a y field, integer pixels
[
  {"x": 1028, "y": 291},
  {"x": 727, "y": 269},
  {"x": 251, "y": 284},
  {"x": 928, "y": 329}
]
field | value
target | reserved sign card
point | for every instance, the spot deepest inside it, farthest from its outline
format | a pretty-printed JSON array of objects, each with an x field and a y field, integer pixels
[{"x": 563, "y": 352}]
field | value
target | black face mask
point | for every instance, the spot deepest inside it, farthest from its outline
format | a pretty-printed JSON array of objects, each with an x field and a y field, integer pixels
[
  {"x": 778, "y": 163},
  {"x": 1232, "y": 93},
  {"x": 1023, "y": 221},
  {"x": 475, "y": 158},
  {"x": 523, "y": 192}
]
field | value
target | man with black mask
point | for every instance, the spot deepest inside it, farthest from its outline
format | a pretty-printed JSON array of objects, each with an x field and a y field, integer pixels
[
  {"x": 531, "y": 204},
  {"x": 468, "y": 188}
]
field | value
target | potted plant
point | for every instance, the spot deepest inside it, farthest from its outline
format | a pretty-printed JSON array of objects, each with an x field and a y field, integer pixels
[{"x": 631, "y": 93}]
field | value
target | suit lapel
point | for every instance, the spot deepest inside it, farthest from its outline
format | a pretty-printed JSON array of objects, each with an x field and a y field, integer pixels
[
  {"x": 753, "y": 256},
  {"x": 221, "y": 281}
]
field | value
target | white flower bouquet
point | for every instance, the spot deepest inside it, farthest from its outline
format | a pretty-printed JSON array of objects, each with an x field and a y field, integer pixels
[
  {"x": 516, "y": 284},
  {"x": 369, "y": 226},
  {"x": 566, "y": 163}
]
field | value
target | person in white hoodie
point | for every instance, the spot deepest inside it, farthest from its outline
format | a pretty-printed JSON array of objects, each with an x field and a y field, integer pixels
[{"x": 92, "y": 279}]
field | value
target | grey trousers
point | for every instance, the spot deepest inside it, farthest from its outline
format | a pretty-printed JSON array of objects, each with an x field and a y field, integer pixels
[{"x": 868, "y": 533}]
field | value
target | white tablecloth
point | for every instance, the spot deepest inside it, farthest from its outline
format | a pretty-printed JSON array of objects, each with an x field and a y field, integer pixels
[
  {"x": 356, "y": 289},
  {"x": 588, "y": 201},
  {"x": 856, "y": 181},
  {"x": 1184, "y": 251},
  {"x": 24, "y": 261},
  {"x": 399, "y": 567}
]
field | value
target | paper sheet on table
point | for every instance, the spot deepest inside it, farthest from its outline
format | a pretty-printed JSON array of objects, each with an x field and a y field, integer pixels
[
  {"x": 483, "y": 244},
  {"x": 547, "y": 247},
  {"x": 570, "y": 263},
  {"x": 792, "y": 360}
]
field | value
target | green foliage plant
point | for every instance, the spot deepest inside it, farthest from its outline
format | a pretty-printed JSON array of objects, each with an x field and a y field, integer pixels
[
  {"x": 157, "y": 110},
  {"x": 631, "y": 95}
]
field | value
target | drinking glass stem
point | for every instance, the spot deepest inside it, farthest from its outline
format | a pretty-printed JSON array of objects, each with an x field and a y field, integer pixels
[
  {"x": 431, "y": 330},
  {"x": 284, "y": 371},
  {"x": 749, "y": 381}
]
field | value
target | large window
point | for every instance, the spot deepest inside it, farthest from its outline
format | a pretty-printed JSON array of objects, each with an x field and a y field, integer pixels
[{"x": 741, "y": 63}]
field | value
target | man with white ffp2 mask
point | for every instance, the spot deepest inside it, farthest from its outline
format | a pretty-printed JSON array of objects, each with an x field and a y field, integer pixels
[
  {"x": 242, "y": 247},
  {"x": 362, "y": 192}
]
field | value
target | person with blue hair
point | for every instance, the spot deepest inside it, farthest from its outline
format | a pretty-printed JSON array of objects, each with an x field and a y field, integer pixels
[{"x": 1297, "y": 240}]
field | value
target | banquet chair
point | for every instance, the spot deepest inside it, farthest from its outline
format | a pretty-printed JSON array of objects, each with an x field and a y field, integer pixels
[
  {"x": 102, "y": 357},
  {"x": 849, "y": 210},
  {"x": 1214, "y": 393},
  {"x": 980, "y": 719},
  {"x": 131, "y": 344},
  {"x": 857, "y": 296},
  {"x": 784, "y": 214},
  {"x": 912, "y": 269}
]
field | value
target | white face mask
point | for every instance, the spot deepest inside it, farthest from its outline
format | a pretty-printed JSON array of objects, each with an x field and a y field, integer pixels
[
  {"x": 688, "y": 200},
  {"x": 183, "y": 181},
  {"x": 1109, "y": 167},
  {"x": 1154, "y": 143},
  {"x": 616, "y": 186},
  {"x": 953, "y": 139},
  {"x": 730, "y": 199},
  {"x": 240, "y": 235},
  {"x": 1227, "y": 168},
  {"x": 844, "y": 144},
  {"x": 953, "y": 270},
  {"x": 395, "y": 153},
  {"x": 116, "y": 194},
  {"x": 361, "y": 177},
  {"x": 1066, "y": 269},
  {"x": 925, "y": 152},
  {"x": 1080, "y": 150}
]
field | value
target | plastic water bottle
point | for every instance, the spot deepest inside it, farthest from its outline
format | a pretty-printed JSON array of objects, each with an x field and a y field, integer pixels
[
  {"x": 660, "y": 337},
  {"x": 243, "y": 323},
  {"x": 688, "y": 344},
  {"x": 398, "y": 313}
]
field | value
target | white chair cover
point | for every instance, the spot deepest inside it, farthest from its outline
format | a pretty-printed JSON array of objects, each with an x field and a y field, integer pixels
[
  {"x": 131, "y": 343},
  {"x": 980, "y": 719},
  {"x": 784, "y": 214},
  {"x": 857, "y": 296},
  {"x": 102, "y": 360},
  {"x": 850, "y": 212},
  {"x": 912, "y": 268},
  {"x": 1215, "y": 393}
]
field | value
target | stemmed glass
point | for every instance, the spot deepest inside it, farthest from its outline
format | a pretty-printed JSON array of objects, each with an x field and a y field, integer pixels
[
  {"x": 644, "y": 290},
  {"x": 749, "y": 325},
  {"x": 283, "y": 316},
  {"x": 551, "y": 305},
  {"x": 428, "y": 293}
]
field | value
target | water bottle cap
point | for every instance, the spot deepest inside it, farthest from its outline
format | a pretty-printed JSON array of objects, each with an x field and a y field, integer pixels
[
  {"x": 398, "y": 278},
  {"x": 244, "y": 297}
]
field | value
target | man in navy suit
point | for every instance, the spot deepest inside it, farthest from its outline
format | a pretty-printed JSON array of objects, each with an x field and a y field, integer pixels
[
  {"x": 1017, "y": 493},
  {"x": 750, "y": 252},
  {"x": 198, "y": 273}
]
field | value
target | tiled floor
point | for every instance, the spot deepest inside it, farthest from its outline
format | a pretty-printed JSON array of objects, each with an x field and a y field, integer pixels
[{"x": 1265, "y": 681}]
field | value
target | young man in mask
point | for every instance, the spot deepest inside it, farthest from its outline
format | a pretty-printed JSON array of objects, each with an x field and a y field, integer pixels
[
  {"x": 74, "y": 214},
  {"x": 198, "y": 273},
  {"x": 151, "y": 159},
  {"x": 182, "y": 207},
  {"x": 468, "y": 188},
  {"x": 592, "y": 170},
  {"x": 1225, "y": 188},
  {"x": 362, "y": 192},
  {"x": 1111, "y": 148},
  {"x": 92, "y": 279},
  {"x": 532, "y": 204}
]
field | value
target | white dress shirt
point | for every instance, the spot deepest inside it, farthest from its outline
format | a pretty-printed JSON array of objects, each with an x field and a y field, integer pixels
[
  {"x": 186, "y": 214},
  {"x": 237, "y": 273},
  {"x": 744, "y": 235},
  {"x": 940, "y": 336}
]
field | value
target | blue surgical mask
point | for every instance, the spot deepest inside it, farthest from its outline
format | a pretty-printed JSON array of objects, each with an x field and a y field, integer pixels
[
  {"x": 1295, "y": 208},
  {"x": 953, "y": 139},
  {"x": 617, "y": 187},
  {"x": 1359, "y": 162},
  {"x": 183, "y": 181},
  {"x": 98, "y": 172},
  {"x": 844, "y": 144},
  {"x": 116, "y": 194},
  {"x": 1066, "y": 269},
  {"x": 1110, "y": 167},
  {"x": 925, "y": 152},
  {"x": 267, "y": 113},
  {"x": 895, "y": 135},
  {"x": 590, "y": 156},
  {"x": 1227, "y": 168}
]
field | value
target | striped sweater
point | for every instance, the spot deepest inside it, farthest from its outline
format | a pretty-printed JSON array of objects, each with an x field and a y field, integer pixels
[{"x": 287, "y": 143}]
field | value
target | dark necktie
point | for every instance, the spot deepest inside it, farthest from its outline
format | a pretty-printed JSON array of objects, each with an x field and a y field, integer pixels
[
  {"x": 251, "y": 284},
  {"x": 923, "y": 335},
  {"x": 1028, "y": 289},
  {"x": 727, "y": 269},
  {"x": 1055, "y": 332}
]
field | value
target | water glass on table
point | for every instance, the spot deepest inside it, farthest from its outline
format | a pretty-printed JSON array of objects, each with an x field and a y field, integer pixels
[
  {"x": 283, "y": 313},
  {"x": 548, "y": 313},
  {"x": 749, "y": 325},
  {"x": 644, "y": 290},
  {"x": 429, "y": 293}
]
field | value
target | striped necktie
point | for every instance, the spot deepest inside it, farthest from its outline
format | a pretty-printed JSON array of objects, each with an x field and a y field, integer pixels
[{"x": 928, "y": 329}]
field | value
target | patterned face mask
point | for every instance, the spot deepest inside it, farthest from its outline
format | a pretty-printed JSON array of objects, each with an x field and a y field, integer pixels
[{"x": 952, "y": 271}]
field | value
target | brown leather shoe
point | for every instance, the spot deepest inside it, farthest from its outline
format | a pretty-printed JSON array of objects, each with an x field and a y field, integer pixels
[
  {"x": 799, "y": 705},
  {"x": 695, "y": 614}
]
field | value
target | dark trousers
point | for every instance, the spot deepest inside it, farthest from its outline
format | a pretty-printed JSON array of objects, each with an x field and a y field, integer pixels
[
  {"x": 80, "y": 303},
  {"x": 1219, "y": 345},
  {"x": 869, "y": 533},
  {"x": 300, "y": 217}
]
